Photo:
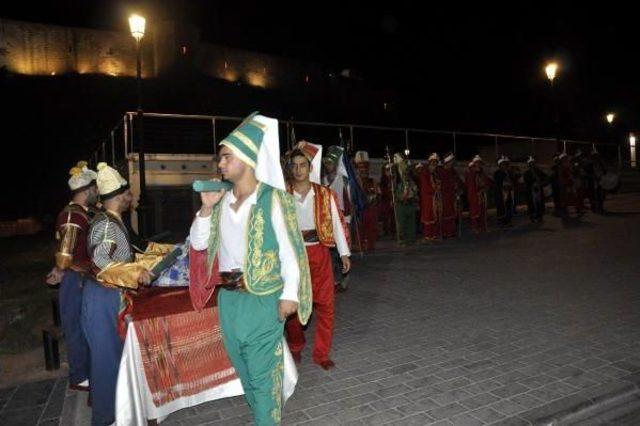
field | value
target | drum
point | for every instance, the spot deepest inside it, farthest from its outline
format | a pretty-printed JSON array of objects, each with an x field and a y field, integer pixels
[{"x": 609, "y": 181}]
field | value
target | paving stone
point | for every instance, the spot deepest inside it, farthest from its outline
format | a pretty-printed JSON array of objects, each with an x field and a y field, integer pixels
[
  {"x": 449, "y": 397},
  {"x": 487, "y": 415},
  {"x": 611, "y": 371},
  {"x": 510, "y": 390},
  {"x": 400, "y": 369},
  {"x": 452, "y": 373},
  {"x": 446, "y": 411},
  {"x": 600, "y": 393},
  {"x": 419, "y": 419},
  {"x": 452, "y": 384},
  {"x": 465, "y": 419},
  {"x": 512, "y": 421},
  {"x": 508, "y": 407},
  {"x": 391, "y": 402},
  {"x": 348, "y": 414},
  {"x": 393, "y": 390},
  {"x": 322, "y": 410},
  {"x": 21, "y": 417},
  {"x": 556, "y": 409},
  {"x": 382, "y": 417},
  {"x": 296, "y": 417},
  {"x": 6, "y": 393},
  {"x": 419, "y": 406},
  {"x": 527, "y": 401},
  {"x": 50, "y": 422},
  {"x": 482, "y": 387},
  {"x": 565, "y": 372},
  {"x": 480, "y": 400},
  {"x": 322, "y": 421},
  {"x": 537, "y": 381},
  {"x": 30, "y": 395}
]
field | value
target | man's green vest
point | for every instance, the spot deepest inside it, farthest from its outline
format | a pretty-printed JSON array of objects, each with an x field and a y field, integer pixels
[{"x": 262, "y": 273}]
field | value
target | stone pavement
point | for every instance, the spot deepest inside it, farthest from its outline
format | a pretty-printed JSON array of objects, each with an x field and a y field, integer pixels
[
  {"x": 37, "y": 403},
  {"x": 527, "y": 325}
]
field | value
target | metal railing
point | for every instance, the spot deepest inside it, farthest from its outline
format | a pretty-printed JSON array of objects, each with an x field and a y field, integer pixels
[{"x": 200, "y": 134}]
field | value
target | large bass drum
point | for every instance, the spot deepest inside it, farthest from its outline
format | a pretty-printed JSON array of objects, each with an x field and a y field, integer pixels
[{"x": 609, "y": 181}]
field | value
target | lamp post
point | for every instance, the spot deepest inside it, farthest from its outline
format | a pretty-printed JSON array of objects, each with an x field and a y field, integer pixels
[
  {"x": 137, "y": 27},
  {"x": 632, "y": 148},
  {"x": 551, "y": 69},
  {"x": 610, "y": 117}
]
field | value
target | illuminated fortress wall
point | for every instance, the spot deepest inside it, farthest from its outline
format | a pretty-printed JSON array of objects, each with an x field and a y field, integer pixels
[{"x": 38, "y": 49}]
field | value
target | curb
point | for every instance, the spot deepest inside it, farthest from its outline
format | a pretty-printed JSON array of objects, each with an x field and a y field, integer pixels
[{"x": 561, "y": 410}]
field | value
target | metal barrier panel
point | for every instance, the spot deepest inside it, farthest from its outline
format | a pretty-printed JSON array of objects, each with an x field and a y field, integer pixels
[{"x": 199, "y": 134}]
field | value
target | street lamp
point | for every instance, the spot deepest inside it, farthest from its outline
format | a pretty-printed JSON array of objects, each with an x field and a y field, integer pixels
[
  {"x": 137, "y": 26},
  {"x": 632, "y": 147},
  {"x": 551, "y": 70},
  {"x": 610, "y": 117}
]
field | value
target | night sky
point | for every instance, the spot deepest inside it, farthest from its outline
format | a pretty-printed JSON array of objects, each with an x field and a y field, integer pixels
[{"x": 468, "y": 66}]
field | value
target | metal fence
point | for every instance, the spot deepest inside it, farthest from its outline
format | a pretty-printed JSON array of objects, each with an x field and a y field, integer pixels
[{"x": 200, "y": 134}]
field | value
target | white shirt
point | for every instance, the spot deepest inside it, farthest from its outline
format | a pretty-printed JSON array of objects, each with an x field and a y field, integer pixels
[
  {"x": 233, "y": 240},
  {"x": 339, "y": 187},
  {"x": 305, "y": 211}
]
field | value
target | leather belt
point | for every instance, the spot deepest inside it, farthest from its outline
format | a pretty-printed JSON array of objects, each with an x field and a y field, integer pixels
[
  {"x": 310, "y": 236},
  {"x": 232, "y": 281}
]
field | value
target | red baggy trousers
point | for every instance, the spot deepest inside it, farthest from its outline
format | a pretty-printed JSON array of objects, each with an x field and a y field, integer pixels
[{"x": 323, "y": 301}]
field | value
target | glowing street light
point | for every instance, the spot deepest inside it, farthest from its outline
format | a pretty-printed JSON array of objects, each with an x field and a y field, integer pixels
[
  {"x": 551, "y": 69},
  {"x": 610, "y": 117},
  {"x": 632, "y": 148},
  {"x": 136, "y": 25}
]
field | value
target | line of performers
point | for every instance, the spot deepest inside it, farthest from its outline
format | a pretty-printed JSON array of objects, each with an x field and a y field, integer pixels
[{"x": 433, "y": 196}]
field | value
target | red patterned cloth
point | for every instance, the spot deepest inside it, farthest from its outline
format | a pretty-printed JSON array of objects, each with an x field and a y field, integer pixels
[
  {"x": 203, "y": 278},
  {"x": 181, "y": 349}
]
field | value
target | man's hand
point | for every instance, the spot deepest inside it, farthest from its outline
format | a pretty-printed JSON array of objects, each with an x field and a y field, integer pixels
[
  {"x": 286, "y": 308},
  {"x": 145, "y": 278},
  {"x": 209, "y": 200},
  {"x": 55, "y": 276},
  {"x": 346, "y": 264}
]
